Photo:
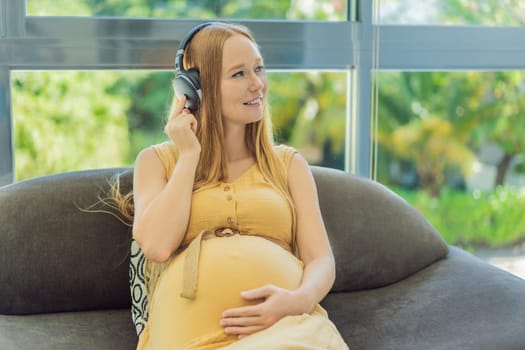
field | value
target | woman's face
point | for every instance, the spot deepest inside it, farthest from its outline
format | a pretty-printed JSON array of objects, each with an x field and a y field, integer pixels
[{"x": 243, "y": 83}]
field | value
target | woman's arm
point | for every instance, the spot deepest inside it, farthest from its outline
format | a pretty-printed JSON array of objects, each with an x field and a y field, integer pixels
[
  {"x": 312, "y": 239},
  {"x": 162, "y": 206}
]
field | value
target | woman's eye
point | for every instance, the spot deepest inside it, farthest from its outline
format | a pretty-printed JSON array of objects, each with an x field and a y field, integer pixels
[
  {"x": 259, "y": 69},
  {"x": 238, "y": 74}
]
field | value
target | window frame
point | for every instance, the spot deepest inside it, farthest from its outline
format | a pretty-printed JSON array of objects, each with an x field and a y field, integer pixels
[{"x": 40, "y": 43}]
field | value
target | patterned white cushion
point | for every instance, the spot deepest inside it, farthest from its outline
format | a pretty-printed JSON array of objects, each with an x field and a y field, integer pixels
[{"x": 139, "y": 296}]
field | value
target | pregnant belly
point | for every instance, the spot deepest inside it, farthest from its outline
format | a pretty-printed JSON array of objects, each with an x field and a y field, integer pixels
[{"x": 227, "y": 266}]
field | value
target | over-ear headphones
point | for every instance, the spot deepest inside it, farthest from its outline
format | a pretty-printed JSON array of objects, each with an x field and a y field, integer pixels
[{"x": 187, "y": 82}]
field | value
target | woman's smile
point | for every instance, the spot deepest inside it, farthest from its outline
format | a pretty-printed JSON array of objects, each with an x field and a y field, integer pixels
[{"x": 254, "y": 102}]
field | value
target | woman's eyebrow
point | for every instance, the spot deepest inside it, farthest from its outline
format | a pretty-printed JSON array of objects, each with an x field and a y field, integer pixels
[
  {"x": 236, "y": 67},
  {"x": 243, "y": 65}
]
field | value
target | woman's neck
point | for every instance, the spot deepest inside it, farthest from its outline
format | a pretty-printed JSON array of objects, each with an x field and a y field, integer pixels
[{"x": 235, "y": 143}]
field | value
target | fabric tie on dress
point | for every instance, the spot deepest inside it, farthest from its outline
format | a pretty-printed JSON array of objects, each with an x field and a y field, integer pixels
[
  {"x": 190, "y": 274},
  {"x": 191, "y": 261}
]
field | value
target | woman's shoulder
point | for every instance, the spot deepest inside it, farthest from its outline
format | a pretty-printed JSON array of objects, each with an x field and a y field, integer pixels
[
  {"x": 283, "y": 148},
  {"x": 166, "y": 152},
  {"x": 285, "y": 152},
  {"x": 293, "y": 160},
  {"x": 164, "y": 147}
]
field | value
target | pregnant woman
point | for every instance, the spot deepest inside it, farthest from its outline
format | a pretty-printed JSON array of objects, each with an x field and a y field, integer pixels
[{"x": 237, "y": 252}]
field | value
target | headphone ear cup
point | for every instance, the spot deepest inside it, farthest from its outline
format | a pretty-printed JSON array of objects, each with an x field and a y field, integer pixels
[{"x": 187, "y": 84}]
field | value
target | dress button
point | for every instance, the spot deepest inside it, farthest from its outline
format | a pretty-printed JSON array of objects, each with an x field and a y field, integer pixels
[
  {"x": 226, "y": 188},
  {"x": 229, "y": 197},
  {"x": 230, "y": 220}
]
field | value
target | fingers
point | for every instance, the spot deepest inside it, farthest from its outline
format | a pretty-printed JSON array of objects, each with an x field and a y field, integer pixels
[
  {"x": 178, "y": 108},
  {"x": 181, "y": 105},
  {"x": 182, "y": 110},
  {"x": 181, "y": 117},
  {"x": 243, "y": 331},
  {"x": 246, "y": 320},
  {"x": 258, "y": 293},
  {"x": 184, "y": 124},
  {"x": 181, "y": 128},
  {"x": 242, "y": 326},
  {"x": 240, "y": 321},
  {"x": 245, "y": 311},
  {"x": 189, "y": 119},
  {"x": 193, "y": 123}
]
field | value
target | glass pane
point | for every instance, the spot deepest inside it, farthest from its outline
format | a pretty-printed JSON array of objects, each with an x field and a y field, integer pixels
[
  {"x": 71, "y": 120},
  {"x": 453, "y": 145},
  {"x": 453, "y": 12},
  {"x": 331, "y": 10}
]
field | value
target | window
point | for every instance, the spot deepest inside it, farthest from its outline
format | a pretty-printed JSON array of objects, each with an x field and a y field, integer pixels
[
  {"x": 452, "y": 143},
  {"x": 450, "y": 12},
  {"x": 329, "y": 10},
  {"x": 57, "y": 113},
  {"x": 71, "y": 39}
]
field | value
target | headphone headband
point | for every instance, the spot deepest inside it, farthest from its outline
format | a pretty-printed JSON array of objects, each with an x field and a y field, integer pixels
[{"x": 182, "y": 45}]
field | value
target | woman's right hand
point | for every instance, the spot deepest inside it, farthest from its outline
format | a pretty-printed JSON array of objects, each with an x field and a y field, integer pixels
[{"x": 181, "y": 129}]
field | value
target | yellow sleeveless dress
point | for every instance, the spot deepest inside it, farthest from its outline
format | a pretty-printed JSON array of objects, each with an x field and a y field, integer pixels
[{"x": 207, "y": 277}]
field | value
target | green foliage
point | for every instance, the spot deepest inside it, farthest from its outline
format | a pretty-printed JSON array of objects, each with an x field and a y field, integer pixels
[
  {"x": 141, "y": 100},
  {"x": 57, "y": 8},
  {"x": 149, "y": 94},
  {"x": 312, "y": 115},
  {"x": 485, "y": 12},
  {"x": 520, "y": 167},
  {"x": 507, "y": 127},
  {"x": 140, "y": 139},
  {"x": 454, "y": 12},
  {"x": 261, "y": 9},
  {"x": 478, "y": 106},
  {"x": 120, "y": 8},
  {"x": 493, "y": 219},
  {"x": 327, "y": 10},
  {"x": 153, "y": 8},
  {"x": 255, "y": 9},
  {"x": 432, "y": 146},
  {"x": 67, "y": 121}
]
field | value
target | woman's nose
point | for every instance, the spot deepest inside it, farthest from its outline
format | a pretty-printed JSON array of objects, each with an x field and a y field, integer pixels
[{"x": 257, "y": 82}]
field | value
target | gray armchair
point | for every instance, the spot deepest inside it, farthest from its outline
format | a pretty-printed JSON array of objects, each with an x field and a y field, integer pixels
[{"x": 64, "y": 272}]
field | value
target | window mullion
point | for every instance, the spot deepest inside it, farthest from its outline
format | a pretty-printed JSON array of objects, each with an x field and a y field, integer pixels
[
  {"x": 13, "y": 18},
  {"x": 6, "y": 143}
]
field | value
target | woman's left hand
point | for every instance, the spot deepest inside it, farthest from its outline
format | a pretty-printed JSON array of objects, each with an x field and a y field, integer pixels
[{"x": 275, "y": 304}]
